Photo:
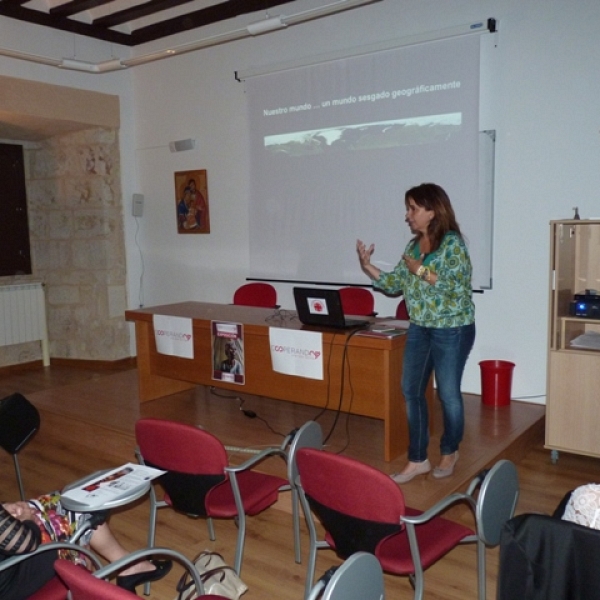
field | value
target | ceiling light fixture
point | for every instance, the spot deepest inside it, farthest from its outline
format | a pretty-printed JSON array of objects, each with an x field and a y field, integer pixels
[{"x": 266, "y": 25}]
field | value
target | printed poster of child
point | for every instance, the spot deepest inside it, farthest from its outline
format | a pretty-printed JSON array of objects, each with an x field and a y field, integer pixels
[{"x": 228, "y": 352}]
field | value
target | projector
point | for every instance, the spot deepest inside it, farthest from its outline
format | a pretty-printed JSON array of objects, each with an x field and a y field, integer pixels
[{"x": 586, "y": 305}]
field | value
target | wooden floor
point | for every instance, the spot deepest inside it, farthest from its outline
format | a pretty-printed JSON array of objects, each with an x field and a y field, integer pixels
[{"x": 87, "y": 424}]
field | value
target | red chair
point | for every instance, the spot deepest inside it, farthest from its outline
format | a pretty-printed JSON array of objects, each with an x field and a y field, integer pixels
[
  {"x": 85, "y": 585},
  {"x": 402, "y": 311},
  {"x": 256, "y": 294},
  {"x": 54, "y": 589},
  {"x": 199, "y": 480},
  {"x": 357, "y": 301},
  {"x": 361, "y": 509}
]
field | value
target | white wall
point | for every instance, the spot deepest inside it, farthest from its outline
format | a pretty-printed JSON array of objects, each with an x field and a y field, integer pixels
[{"x": 544, "y": 108}]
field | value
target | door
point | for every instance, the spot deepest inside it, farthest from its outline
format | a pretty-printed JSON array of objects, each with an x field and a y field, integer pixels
[{"x": 15, "y": 255}]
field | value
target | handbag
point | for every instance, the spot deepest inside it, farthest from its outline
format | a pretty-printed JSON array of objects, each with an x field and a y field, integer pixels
[{"x": 217, "y": 577}]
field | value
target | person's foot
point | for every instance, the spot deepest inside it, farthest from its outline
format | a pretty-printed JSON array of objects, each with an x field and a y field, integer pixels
[
  {"x": 446, "y": 466},
  {"x": 411, "y": 470},
  {"x": 130, "y": 582}
]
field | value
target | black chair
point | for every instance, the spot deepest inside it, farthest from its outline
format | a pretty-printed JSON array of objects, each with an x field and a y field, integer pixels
[
  {"x": 19, "y": 420},
  {"x": 544, "y": 557}
]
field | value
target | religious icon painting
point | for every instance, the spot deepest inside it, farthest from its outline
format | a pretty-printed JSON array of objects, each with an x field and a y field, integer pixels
[{"x": 191, "y": 200}]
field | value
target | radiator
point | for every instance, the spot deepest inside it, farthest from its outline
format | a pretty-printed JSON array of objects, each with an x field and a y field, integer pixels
[{"x": 23, "y": 316}]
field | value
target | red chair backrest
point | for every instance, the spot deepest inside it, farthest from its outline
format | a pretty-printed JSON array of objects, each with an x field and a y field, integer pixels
[
  {"x": 402, "y": 311},
  {"x": 349, "y": 486},
  {"x": 194, "y": 461},
  {"x": 357, "y": 505},
  {"x": 180, "y": 447},
  {"x": 357, "y": 301},
  {"x": 55, "y": 589},
  {"x": 256, "y": 294},
  {"x": 84, "y": 586}
]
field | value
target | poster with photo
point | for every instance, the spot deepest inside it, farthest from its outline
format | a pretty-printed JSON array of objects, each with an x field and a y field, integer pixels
[{"x": 227, "y": 341}]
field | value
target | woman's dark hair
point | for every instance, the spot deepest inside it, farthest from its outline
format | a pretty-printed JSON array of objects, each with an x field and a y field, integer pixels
[{"x": 433, "y": 197}]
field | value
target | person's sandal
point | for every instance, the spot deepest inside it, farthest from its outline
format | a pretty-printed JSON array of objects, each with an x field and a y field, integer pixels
[
  {"x": 439, "y": 473},
  {"x": 130, "y": 582},
  {"x": 421, "y": 468}
]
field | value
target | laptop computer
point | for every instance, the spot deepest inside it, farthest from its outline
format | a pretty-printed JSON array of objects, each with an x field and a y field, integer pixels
[{"x": 323, "y": 308}]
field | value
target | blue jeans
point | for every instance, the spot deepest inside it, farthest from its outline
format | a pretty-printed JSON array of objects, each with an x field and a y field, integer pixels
[{"x": 444, "y": 351}]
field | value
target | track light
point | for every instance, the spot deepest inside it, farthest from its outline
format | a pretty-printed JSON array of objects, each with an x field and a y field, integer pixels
[{"x": 266, "y": 25}]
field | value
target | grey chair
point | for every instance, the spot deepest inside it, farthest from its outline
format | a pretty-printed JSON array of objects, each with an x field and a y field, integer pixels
[
  {"x": 19, "y": 421},
  {"x": 310, "y": 435},
  {"x": 360, "y": 577},
  {"x": 496, "y": 504}
]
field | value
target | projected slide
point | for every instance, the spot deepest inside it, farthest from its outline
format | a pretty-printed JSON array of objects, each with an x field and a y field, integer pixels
[
  {"x": 334, "y": 146},
  {"x": 366, "y": 136}
]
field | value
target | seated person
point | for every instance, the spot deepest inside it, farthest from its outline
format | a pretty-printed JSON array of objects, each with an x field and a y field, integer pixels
[
  {"x": 26, "y": 525},
  {"x": 582, "y": 506}
]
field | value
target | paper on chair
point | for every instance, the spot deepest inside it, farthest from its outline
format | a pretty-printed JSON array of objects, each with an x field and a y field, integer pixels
[{"x": 111, "y": 486}]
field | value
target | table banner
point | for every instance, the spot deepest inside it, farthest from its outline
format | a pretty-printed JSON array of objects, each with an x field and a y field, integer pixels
[
  {"x": 227, "y": 342},
  {"x": 173, "y": 336},
  {"x": 295, "y": 352}
]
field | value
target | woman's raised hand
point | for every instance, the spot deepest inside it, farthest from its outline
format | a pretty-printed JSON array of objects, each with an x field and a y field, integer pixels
[{"x": 364, "y": 253}]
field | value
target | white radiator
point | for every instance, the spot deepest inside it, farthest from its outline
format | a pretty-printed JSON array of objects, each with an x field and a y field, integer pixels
[{"x": 23, "y": 316}]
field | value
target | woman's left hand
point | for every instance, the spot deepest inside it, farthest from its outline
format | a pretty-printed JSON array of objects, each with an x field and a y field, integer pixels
[
  {"x": 20, "y": 510},
  {"x": 413, "y": 264}
]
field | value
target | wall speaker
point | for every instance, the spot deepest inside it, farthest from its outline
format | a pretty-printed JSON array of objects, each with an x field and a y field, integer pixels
[{"x": 180, "y": 145}]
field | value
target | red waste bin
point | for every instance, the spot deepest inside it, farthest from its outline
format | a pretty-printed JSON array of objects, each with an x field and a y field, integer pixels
[{"x": 496, "y": 382}]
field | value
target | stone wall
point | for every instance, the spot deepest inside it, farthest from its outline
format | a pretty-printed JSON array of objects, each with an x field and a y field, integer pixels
[{"x": 77, "y": 245}]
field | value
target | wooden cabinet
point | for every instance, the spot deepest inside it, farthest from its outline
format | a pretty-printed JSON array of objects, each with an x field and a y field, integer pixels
[{"x": 573, "y": 381}]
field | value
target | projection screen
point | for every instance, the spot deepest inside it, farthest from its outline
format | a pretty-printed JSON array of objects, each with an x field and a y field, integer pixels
[{"x": 335, "y": 145}]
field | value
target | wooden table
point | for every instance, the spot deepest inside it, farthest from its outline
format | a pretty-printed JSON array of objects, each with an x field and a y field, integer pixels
[{"x": 371, "y": 385}]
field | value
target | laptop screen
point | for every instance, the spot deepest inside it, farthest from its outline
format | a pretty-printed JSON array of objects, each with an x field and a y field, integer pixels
[{"x": 322, "y": 307}]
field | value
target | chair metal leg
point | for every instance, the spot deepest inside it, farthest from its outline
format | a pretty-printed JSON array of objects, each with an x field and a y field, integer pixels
[
  {"x": 19, "y": 479},
  {"x": 241, "y": 538},
  {"x": 296, "y": 524},
  {"x": 211, "y": 529},
  {"x": 481, "y": 570},
  {"x": 419, "y": 585},
  {"x": 151, "y": 529},
  {"x": 310, "y": 571},
  {"x": 314, "y": 544},
  {"x": 418, "y": 576}
]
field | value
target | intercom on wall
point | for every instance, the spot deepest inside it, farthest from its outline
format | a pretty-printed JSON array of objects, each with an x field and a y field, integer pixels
[{"x": 137, "y": 208}]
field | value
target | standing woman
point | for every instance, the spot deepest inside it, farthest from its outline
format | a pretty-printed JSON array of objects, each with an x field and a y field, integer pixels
[{"x": 435, "y": 278}]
